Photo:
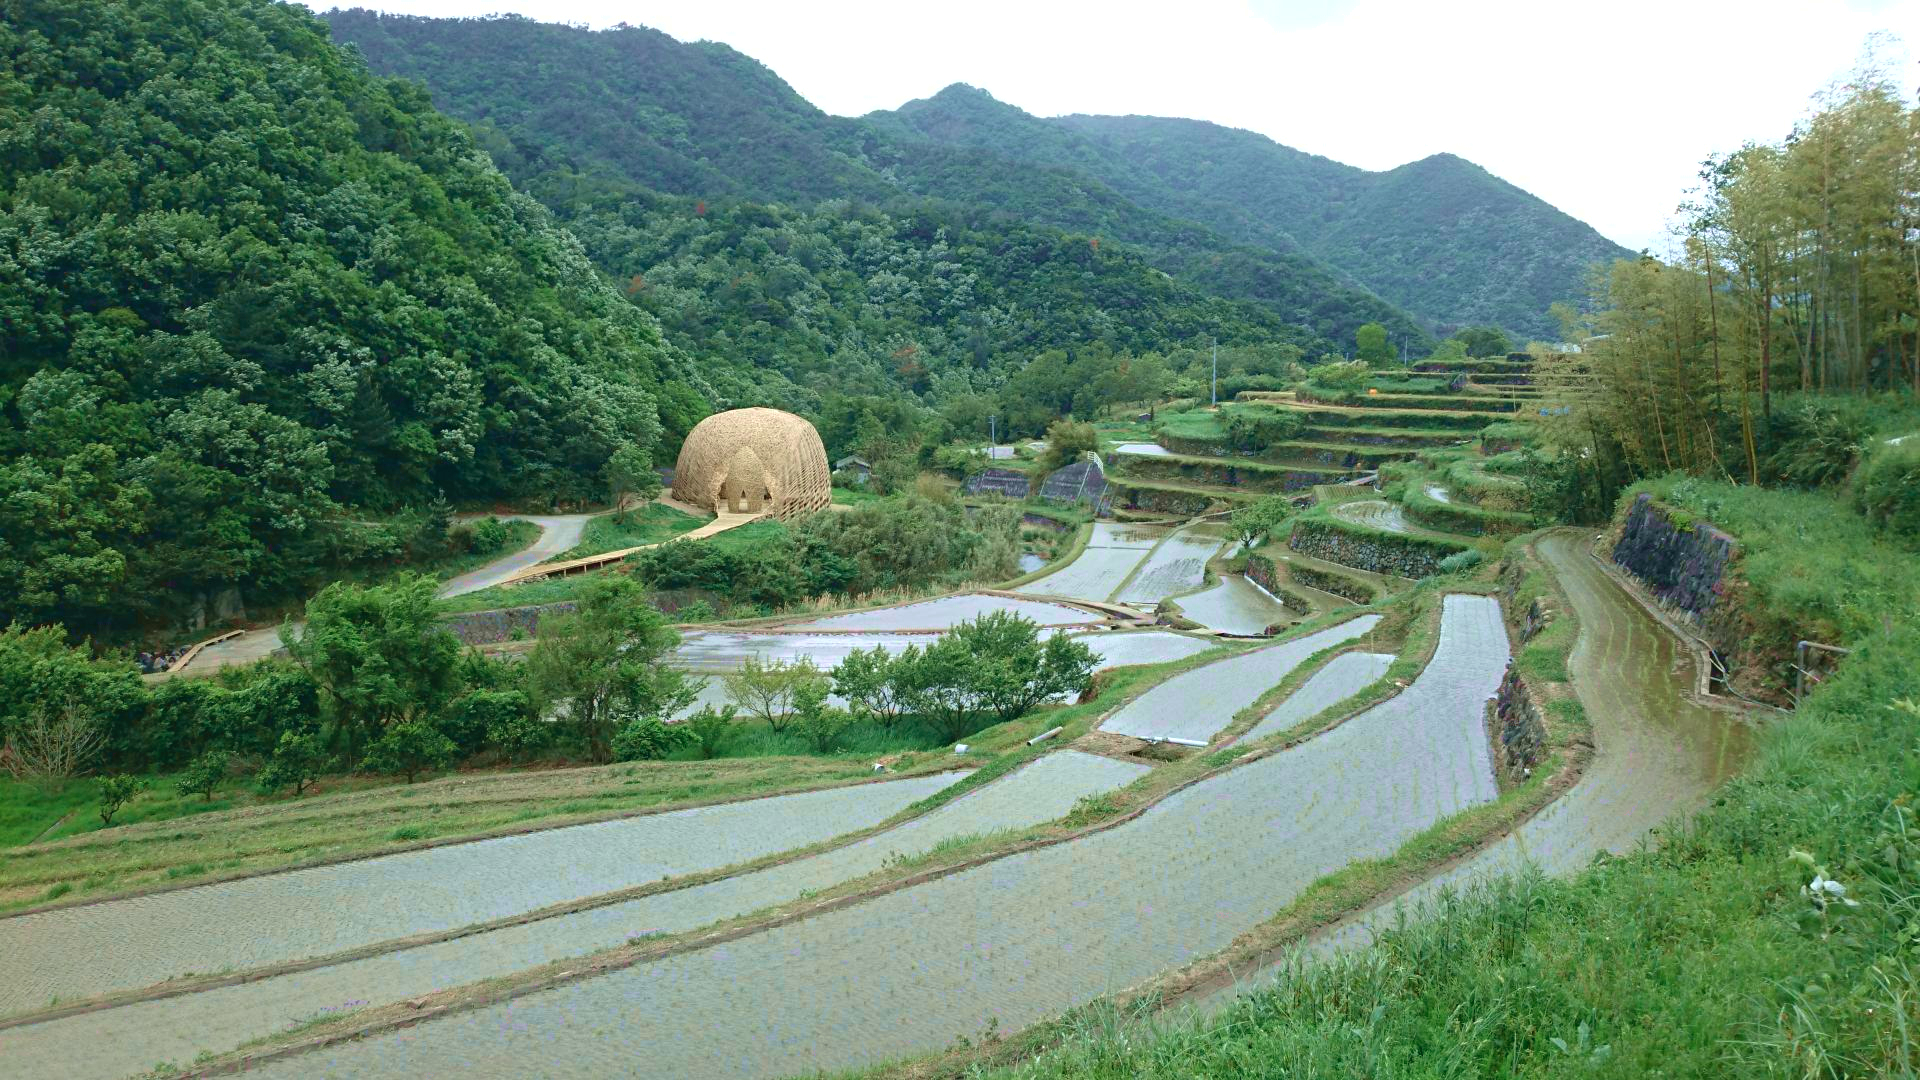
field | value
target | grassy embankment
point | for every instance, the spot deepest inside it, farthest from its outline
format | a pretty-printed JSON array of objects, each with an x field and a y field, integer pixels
[{"x": 1704, "y": 957}]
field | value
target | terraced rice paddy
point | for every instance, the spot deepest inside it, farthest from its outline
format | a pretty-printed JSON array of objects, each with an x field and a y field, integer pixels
[
  {"x": 1374, "y": 514},
  {"x": 1121, "y": 648},
  {"x": 1010, "y": 942},
  {"x": 1143, "y": 449},
  {"x": 1437, "y": 493},
  {"x": 946, "y": 612},
  {"x": 1112, "y": 552},
  {"x": 126, "y": 1040},
  {"x": 1234, "y": 606},
  {"x": 716, "y": 650},
  {"x": 1178, "y": 565},
  {"x": 1194, "y": 704},
  {"x": 1657, "y": 753},
  {"x": 127, "y": 944},
  {"x": 1344, "y": 676}
]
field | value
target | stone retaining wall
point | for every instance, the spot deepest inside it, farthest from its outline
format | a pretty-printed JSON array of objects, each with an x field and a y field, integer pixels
[
  {"x": 501, "y": 624},
  {"x": 1329, "y": 582},
  {"x": 1262, "y": 572},
  {"x": 1382, "y": 553},
  {"x": 1519, "y": 732},
  {"x": 1682, "y": 561}
]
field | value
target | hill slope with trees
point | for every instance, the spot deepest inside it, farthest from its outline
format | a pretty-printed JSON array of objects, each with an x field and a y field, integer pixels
[{"x": 251, "y": 292}]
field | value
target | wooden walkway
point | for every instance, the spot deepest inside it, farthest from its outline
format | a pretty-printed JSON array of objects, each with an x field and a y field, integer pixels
[{"x": 718, "y": 525}]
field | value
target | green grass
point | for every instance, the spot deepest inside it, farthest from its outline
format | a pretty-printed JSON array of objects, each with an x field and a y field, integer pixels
[
  {"x": 520, "y": 534},
  {"x": 650, "y": 524},
  {"x": 551, "y": 590},
  {"x": 855, "y": 496}
]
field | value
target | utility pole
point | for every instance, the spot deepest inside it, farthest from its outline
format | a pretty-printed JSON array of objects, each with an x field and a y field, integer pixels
[
  {"x": 993, "y": 434},
  {"x": 1216, "y": 374}
]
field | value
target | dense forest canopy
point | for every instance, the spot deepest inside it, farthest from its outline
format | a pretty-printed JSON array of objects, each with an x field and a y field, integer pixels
[
  {"x": 249, "y": 290},
  {"x": 702, "y": 121}
]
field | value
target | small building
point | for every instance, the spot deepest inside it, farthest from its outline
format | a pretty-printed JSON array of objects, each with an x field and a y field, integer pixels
[
  {"x": 856, "y": 468},
  {"x": 754, "y": 461}
]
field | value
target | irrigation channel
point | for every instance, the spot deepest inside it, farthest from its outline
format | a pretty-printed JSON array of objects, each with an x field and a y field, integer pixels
[
  {"x": 1011, "y": 941},
  {"x": 118, "y": 1042},
  {"x": 128, "y": 944},
  {"x": 1658, "y": 755}
]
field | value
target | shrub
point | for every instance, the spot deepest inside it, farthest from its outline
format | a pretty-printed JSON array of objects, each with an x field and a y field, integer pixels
[
  {"x": 116, "y": 792},
  {"x": 205, "y": 774},
  {"x": 1463, "y": 560},
  {"x": 648, "y": 739},
  {"x": 473, "y": 718},
  {"x": 1887, "y": 490},
  {"x": 410, "y": 749},
  {"x": 1066, "y": 441},
  {"x": 708, "y": 728}
]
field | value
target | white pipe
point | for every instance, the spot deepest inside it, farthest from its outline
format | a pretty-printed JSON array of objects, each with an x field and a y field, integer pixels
[{"x": 1047, "y": 734}]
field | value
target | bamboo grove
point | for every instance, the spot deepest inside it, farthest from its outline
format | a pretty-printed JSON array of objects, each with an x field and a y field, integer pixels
[{"x": 1796, "y": 272}]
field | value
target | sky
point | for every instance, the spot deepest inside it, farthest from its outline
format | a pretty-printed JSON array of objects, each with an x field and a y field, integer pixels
[{"x": 1604, "y": 110}]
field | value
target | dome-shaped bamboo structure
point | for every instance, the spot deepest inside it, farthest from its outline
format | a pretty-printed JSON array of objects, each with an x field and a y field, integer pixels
[{"x": 760, "y": 461}]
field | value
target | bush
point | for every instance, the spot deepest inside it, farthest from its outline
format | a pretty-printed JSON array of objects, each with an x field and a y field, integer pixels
[
  {"x": 1887, "y": 490},
  {"x": 1066, "y": 441},
  {"x": 473, "y": 718},
  {"x": 1464, "y": 560},
  {"x": 487, "y": 534},
  {"x": 205, "y": 774},
  {"x": 648, "y": 739},
  {"x": 410, "y": 749},
  {"x": 708, "y": 728}
]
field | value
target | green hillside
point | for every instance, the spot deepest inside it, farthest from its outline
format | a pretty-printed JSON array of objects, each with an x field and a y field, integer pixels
[{"x": 253, "y": 292}]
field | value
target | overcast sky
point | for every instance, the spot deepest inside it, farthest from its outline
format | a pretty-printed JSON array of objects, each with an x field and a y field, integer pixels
[{"x": 1603, "y": 110}]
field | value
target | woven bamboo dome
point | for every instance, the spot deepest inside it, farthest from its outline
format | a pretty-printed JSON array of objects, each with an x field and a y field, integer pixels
[{"x": 760, "y": 461}]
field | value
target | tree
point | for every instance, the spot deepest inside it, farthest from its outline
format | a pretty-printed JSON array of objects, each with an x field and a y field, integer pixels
[
  {"x": 60, "y": 707},
  {"x": 115, "y": 793},
  {"x": 814, "y": 720},
  {"x": 1483, "y": 341},
  {"x": 864, "y": 680},
  {"x": 296, "y": 762},
  {"x": 629, "y": 474},
  {"x": 1067, "y": 440},
  {"x": 204, "y": 774},
  {"x": 604, "y": 663},
  {"x": 769, "y": 689},
  {"x": 1371, "y": 344},
  {"x": 1011, "y": 670},
  {"x": 1252, "y": 523},
  {"x": 379, "y": 655},
  {"x": 410, "y": 749}
]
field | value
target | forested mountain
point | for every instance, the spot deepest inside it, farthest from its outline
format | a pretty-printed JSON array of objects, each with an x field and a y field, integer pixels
[
  {"x": 1230, "y": 211},
  {"x": 565, "y": 109},
  {"x": 1440, "y": 237},
  {"x": 250, "y": 291}
]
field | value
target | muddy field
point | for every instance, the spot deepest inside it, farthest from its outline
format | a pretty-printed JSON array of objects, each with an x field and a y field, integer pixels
[{"x": 1012, "y": 941}]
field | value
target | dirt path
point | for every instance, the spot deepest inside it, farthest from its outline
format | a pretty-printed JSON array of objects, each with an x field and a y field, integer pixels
[{"x": 1008, "y": 942}]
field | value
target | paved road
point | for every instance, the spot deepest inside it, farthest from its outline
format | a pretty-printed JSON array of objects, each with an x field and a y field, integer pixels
[
  {"x": 558, "y": 533},
  {"x": 1008, "y": 943}
]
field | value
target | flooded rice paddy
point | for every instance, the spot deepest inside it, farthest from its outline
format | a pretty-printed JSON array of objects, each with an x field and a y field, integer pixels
[
  {"x": 127, "y": 944},
  {"x": 1374, "y": 513},
  {"x": 1194, "y": 704},
  {"x": 1122, "y": 647},
  {"x": 1657, "y": 754},
  {"x": 1234, "y": 606},
  {"x": 1010, "y": 942},
  {"x": 1178, "y": 565},
  {"x": 1111, "y": 554},
  {"x": 1438, "y": 493},
  {"x": 121, "y": 1041},
  {"x": 1344, "y": 676},
  {"x": 945, "y": 612},
  {"x": 1143, "y": 449}
]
